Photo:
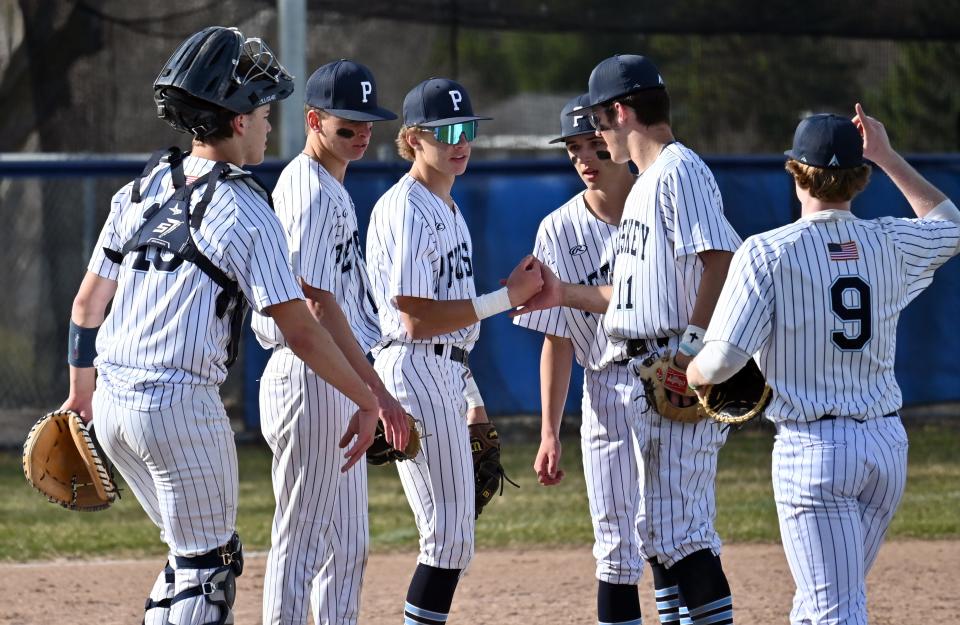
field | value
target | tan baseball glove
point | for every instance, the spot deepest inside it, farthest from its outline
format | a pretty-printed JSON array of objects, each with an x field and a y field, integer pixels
[
  {"x": 665, "y": 386},
  {"x": 63, "y": 460}
]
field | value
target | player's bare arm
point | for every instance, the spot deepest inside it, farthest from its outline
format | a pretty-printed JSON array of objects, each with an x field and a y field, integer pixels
[
  {"x": 327, "y": 311},
  {"x": 588, "y": 297},
  {"x": 922, "y": 196},
  {"x": 89, "y": 311},
  {"x": 556, "y": 363},
  {"x": 313, "y": 344},
  {"x": 424, "y": 318},
  {"x": 715, "y": 266}
]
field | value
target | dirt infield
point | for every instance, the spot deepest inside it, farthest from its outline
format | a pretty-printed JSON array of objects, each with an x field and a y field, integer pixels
[{"x": 913, "y": 581}]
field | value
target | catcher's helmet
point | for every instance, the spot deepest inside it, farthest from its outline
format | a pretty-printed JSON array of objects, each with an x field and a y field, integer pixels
[{"x": 214, "y": 71}]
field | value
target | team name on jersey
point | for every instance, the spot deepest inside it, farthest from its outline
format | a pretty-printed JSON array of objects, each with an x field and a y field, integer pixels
[
  {"x": 632, "y": 238},
  {"x": 455, "y": 264},
  {"x": 345, "y": 251}
]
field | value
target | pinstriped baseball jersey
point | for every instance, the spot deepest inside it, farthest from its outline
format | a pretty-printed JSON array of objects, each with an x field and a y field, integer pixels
[
  {"x": 673, "y": 212},
  {"x": 417, "y": 246},
  {"x": 818, "y": 301},
  {"x": 320, "y": 222},
  {"x": 162, "y": 335},
  {"x": 576, "y": 245}
]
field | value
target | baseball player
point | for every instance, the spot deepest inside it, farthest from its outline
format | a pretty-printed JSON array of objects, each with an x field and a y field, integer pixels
[
  {"x": 321, "y": 524},
  {"x": 816, "y": 303},
  {"x": 671, "y": 255},
  {"x": 186, "y": 246},
  {"x": 421, "y": 268},
  {"x": 575, "y": 241}
]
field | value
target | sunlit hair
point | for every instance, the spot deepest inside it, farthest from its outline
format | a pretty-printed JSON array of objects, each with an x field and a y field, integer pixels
[
  {"x": 829, "y": 185},
  {"x": 651, "y": 106},
  {"x": 403, "y": 148}
]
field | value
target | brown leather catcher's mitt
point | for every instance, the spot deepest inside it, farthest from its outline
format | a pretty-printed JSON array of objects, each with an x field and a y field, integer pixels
[{"x": 63, "y": 460}]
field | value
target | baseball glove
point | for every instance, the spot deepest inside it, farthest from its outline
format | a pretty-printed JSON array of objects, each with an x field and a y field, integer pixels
[
  {"x": 63, "y": 460},
  {"x": 488, "y": 473},
  {"x": 665, "y": 386},
  {"x": 382, "y": 452},
  {"x": 739, "y": 399}
]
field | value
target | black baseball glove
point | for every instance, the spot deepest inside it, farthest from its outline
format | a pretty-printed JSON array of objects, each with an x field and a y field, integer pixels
[
  {"x": 487, "y": 471},
  {"x": 382, "y": 452},
  {"x": 739, "y": 399}
]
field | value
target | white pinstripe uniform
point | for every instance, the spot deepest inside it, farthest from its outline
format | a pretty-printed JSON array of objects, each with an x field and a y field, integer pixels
[
  {"x": 417, "y": 246},
  {"x": 577, "y": 246},
  {"x": 817, "y": 303},
  {"x": 673, "y": 212},
  {"x": 320, "y": 524},
  {"x": 161, "y": 360}
]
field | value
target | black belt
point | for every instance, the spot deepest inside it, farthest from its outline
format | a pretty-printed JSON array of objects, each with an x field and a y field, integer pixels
[
  {"x": 833, "y": 417},
  {"x": 454, "y": 353},
  {"x": 641, "y": 347}
]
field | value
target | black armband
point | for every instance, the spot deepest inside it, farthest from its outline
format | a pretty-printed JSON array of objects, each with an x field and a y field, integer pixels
[{"x": 81, "y": 345}]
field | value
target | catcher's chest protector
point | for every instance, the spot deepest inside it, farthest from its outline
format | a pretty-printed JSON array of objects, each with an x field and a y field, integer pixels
[{"x": 169, "y": 227}]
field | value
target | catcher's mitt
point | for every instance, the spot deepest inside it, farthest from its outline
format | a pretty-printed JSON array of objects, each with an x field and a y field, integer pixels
[
  {"x": 739, "y": 399},
  {"x": 382, "y": 452},
  {"x": 63, "y": 460},
  {"x": 487, "y": 471},
  {"x": 665, "y": 386}
]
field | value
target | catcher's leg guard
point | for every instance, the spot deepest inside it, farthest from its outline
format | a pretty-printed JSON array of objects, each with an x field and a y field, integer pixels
[
  {"x": 156, "y": 610},
  {"x": 225, "y": 564}
]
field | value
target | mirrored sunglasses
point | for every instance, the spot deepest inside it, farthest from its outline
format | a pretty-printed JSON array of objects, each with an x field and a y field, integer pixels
[{"x": 451, "y": 134}]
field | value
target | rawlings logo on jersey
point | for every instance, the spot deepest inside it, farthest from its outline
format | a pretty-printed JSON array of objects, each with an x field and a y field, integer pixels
[
  {"x": 576, "y": 250},
  {"x": 441, "y": 226}
]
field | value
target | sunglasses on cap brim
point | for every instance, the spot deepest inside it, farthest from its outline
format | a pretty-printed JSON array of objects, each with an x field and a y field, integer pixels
[{"x": 451, "y": 134}]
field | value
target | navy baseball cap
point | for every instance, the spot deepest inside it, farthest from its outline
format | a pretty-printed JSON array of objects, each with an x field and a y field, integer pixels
[
  {"x": 347, "y": 90},
  {"x": 622, "y": 75},
  {"x": 827, "y": 141},
  {"x": 572, "y": 124},
  {"x": 438, "y": 102}
]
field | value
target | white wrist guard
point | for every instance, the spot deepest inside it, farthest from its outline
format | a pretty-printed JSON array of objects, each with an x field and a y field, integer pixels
[
  {"x": 490, "y": 304},
  {"x": 472, "y": 394},
  {"x": 692, "y": 340}
]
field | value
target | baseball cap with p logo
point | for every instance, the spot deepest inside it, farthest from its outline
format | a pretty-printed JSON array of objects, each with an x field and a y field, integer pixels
[
  {"x": 438, "y": 102},
  {"x": 573, "y": 118},
  {"x": 827, "y": 141},
  {"x": 622, "y": 75},
  {"x": 347, "y": 90}
]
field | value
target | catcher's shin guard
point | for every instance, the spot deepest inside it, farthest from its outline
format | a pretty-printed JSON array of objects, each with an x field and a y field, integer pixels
[
  {"x": 156, "y": 610},
  {"x": 220, "y": 586}
]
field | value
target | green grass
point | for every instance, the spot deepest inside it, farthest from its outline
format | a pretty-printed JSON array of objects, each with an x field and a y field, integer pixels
[{"x": 31, "y": 528}]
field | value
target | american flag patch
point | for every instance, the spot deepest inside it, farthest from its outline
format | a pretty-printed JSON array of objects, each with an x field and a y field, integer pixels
[{"x": 843, "y": 251}]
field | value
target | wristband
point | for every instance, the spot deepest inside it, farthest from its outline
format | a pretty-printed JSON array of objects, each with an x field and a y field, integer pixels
[
  {"x": 472, "y": 394},
  {"x": 692, "y": 340},
  {"x": 81, "y": 345},
  {"x": 490, "y": 304}
]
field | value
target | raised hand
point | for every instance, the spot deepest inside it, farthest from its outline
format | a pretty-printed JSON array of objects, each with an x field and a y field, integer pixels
[
  {"x": 525, "y": 280},
  {"x": 876, "y": 143},
  {"x": 547, "y": 297}
]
